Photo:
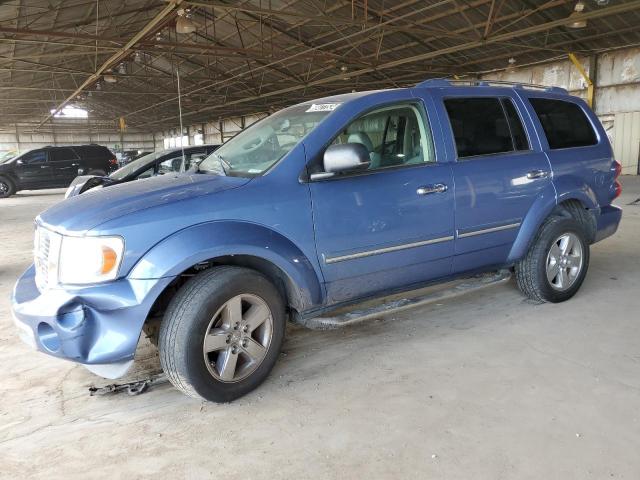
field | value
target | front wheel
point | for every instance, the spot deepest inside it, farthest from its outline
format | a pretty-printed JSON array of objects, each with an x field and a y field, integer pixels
[
  {"x": 556, "y": 263},
  {"x": 222, "y": 333},
  {"x": 7, "y": 188}
]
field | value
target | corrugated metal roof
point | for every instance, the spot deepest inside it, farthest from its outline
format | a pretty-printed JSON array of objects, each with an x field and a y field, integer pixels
[{"x": 248, "y": 56}]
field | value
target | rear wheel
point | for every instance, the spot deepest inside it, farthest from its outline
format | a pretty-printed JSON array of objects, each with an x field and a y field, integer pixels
[
  {"x": 7, "y": 188},
  {"x": 222, "y": 333},
  {"x": 556, "y": 263}
]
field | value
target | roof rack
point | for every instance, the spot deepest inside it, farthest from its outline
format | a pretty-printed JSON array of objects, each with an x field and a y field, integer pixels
[{"x": 446, "y": 82}]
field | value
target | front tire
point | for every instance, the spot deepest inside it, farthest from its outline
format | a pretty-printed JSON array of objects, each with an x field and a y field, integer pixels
[
  {"x": 222, "y": 333},
  {"x": 556, "y": 264},
  {"x": 7, "y": 188}
]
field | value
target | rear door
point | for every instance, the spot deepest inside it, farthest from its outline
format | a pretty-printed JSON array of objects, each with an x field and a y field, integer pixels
[
  {"x": 64, "y": 165},
  {"x": 499, "y": 173},
  {"x": 391, "y": 226},
  {"x": 33, "y": 170}
]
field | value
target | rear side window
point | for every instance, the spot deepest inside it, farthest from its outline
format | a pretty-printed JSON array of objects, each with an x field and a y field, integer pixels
[
  {"x": 564, "y": 123},
  {"x": 485, "y": 126},
  {"x": 59, "y": 154},
  {"x": 93, "y": 151}
]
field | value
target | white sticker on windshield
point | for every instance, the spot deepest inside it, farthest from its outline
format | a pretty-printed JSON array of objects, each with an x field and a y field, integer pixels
[{"x": 323, "y": 107}]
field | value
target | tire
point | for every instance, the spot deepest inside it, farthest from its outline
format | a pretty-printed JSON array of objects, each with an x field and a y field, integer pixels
[
  {"x": 7, "y": 188},
  {"x": 208, "y": 303},
  {"x": 535, "y": 272}
]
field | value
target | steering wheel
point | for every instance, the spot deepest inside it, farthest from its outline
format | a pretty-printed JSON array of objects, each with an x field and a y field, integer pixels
[{"x": 258, "y": 140}]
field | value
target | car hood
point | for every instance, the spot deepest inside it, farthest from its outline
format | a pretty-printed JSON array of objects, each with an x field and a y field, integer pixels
[{"x": 81, "y": 213}]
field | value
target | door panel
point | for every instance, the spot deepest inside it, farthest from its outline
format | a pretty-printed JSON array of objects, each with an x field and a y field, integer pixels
[
  {"x": 33, "y": 170},
  {"x": 374, "y": 232},
  {"x": 493, "y": 195},
  {"x": 499, "y": 173},
  {"x": 64, "y": 165},
  {"x": 391, "y": 226}
]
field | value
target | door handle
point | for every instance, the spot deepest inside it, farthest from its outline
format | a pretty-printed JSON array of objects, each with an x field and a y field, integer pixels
[
  {"x": 436, "y": 188},
  {"x": 45, "y": 166},
  {"x": 533, "y": 174}
]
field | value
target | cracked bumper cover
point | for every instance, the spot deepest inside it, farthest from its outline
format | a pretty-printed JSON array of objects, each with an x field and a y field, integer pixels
[{"x": 97, "y": 325}]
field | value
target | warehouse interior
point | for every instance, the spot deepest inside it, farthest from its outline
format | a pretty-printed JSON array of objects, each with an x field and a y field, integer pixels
[{"x": 486, "y": 385}]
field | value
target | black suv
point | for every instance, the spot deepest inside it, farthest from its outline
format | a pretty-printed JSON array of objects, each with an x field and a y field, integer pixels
[{"x": 53, "y": 167}]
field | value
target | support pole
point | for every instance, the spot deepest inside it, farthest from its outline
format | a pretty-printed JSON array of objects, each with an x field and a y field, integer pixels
[{"x": 590, "y": 89}]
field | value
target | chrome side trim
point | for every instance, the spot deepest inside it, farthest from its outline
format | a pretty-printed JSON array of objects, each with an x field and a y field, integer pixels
[
  {"x": 379, "y": 251},
  {"x": 489, "y": 230}
]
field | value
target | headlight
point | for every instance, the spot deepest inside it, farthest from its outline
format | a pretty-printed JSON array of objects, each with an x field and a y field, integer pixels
[{"x": 89, "y": 259}]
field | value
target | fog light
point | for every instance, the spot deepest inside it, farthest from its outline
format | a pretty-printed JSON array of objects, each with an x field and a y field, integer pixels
[{"x": 48, "y": 337}]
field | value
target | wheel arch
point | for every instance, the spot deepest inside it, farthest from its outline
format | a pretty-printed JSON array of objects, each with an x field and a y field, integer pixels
[
  {"x": 233, "y": 243},
  {"x": 577, "y": 204}
]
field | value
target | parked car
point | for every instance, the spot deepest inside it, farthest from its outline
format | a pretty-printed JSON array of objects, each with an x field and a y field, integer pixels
[
  {"x": 53, "y": 167},
  {"x": 314, "y": 208},
  {"x": 150, "y": 165},
  {"x": 129, "y": 155}
]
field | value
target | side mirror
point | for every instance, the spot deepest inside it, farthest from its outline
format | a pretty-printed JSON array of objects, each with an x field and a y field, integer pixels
[{"x": 347, "y": 157}]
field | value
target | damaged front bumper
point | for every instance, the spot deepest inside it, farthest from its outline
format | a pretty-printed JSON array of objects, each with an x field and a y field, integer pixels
[{"x": 96, "y": 325}]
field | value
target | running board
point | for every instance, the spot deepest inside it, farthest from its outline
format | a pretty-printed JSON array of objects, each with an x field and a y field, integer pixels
[{"x": 397, "y": 303}]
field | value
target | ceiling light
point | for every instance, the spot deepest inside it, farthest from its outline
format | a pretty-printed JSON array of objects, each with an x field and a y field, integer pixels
[
  {"x": 122, "y": 69},
  {"x": 137, "y": 57},
  {"x": 184, "y": 24},
  {"x": 110, "y": 78},
  {"x": 576, "y": 19},
  {"x": 512, "y": 65},
  {"x": 98, "y": 86}
]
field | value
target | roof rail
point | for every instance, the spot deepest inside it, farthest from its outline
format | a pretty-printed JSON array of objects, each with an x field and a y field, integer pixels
[{"x": 446, "y": 82}]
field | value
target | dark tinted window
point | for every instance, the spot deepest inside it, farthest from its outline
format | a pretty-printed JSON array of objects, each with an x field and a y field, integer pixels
[
  {"x": 520, "y": 141},
  {"x": 479, "y": 126},
  {"x": 58, "y": 154},
  {"x": 37, "y": 156},
  {"x": 564, "y": 123},
  {"x": 93, "y": 151}
]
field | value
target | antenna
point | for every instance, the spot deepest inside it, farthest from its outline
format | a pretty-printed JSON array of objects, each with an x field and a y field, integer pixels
[{"x": 184, "y": 160}]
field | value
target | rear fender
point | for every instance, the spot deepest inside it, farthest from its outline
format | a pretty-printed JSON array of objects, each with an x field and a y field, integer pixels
[
  {"x": 568, "y": 189},
  {"x": 200, "y": 243}
]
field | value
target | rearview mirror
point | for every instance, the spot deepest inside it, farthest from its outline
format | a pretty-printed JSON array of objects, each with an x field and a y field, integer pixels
[{"x": 347, "y": 157}]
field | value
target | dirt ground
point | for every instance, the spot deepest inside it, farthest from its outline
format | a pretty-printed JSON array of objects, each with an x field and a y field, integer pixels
[{"x": 483, "y": 386}]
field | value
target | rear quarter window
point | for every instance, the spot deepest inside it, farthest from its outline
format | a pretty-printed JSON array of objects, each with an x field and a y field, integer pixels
[{"x": 565, "y": 124}]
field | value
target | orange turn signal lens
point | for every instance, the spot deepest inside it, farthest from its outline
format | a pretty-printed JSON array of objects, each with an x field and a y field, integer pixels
[{"x": 109, "y": 258}]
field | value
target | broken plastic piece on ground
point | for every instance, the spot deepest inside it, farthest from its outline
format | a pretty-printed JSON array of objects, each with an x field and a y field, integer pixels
[{"x": 132, "y": 388}]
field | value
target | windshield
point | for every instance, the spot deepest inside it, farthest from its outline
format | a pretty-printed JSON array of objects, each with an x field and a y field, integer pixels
[
  {"x": 7, "y": 155},
  {"x": 129, "y": 168},
  {"x": 256, "y": 149}
]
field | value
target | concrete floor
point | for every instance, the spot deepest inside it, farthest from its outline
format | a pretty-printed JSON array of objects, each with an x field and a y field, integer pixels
[{"x": 484, "y": 386}]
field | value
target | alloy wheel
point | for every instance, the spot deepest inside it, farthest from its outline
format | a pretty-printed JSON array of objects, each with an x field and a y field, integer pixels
[
  {"x": 238, "y": 338},
  {"x": 564, "y": 261}
]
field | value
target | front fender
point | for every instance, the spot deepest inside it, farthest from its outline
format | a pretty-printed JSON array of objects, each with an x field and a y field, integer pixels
[{"x": 210, "y": 240}]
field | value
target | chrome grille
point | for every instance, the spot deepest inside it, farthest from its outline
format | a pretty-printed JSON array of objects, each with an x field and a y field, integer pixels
[{"x": 45, "y": 252}]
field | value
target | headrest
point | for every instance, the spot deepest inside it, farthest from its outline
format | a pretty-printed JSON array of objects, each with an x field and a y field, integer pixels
[{"x": 362, "y": 138}]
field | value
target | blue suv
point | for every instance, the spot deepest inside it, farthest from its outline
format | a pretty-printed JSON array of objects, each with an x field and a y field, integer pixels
[{"x": 318, "y": 206}]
